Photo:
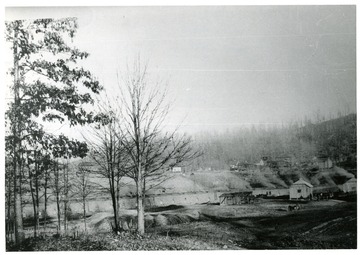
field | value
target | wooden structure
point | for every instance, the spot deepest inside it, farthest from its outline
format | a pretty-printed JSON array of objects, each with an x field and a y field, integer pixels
[
  {"x": 285, "y": 161},
  {"x": 324, "y": 162},
  {"x": 325, "y": 192},
  {"x": 349, "y": 186},
  {"x": 263, "y": 161},
  {"x": 301, "y": 190},
  {"x": 261, "y": 192},
  {"x": 176, "y": 169},
  {"x": 237, "y": 198}
]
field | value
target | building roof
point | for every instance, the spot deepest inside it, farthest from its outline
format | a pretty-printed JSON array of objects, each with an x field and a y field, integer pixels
[
  {"x": 326, "y": 189},
  {"x": 302, "y": 182},
  {"x": 322, "y": 159},
  {"x": 232, "y": 194},
  {"x": 351, "y": 180}
]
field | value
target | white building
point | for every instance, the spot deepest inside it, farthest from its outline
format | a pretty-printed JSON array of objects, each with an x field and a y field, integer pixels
[
  {"x": 301, "y": 190},
  {"x": 176, "y": 169}
]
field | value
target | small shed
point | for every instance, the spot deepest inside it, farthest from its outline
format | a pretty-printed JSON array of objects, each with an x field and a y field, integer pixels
[
  {"x": 301, "y": 190},
  {"x": 176, "y": 169},
  {"x": 324, "y": 162},
  {"x": 349, "y": 186},
  {"x": 325, "y": 192},
  {"x": 285, "y": 161},
  {"x": 263, "y": 161},
  {"x": 236, "y": 198}
]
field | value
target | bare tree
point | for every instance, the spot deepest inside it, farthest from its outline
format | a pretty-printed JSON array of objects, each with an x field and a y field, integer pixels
[
  {"x": 83, "y": 186},
  {"x": 61, "y": 185},
  {"x": 57, "y": 189},
  {"x": 46, "y": 187},
  {"x": 65, "y": 193},
  {"x": 109, "y": 157},
  {"x": 151, "y": 149}
]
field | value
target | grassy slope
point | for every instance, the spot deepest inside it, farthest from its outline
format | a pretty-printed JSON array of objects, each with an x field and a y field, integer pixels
[{"x": 266, "y": 178}]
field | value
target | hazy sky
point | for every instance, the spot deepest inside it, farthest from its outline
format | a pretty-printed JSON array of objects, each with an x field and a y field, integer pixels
[{"x": 226, "y": 66}]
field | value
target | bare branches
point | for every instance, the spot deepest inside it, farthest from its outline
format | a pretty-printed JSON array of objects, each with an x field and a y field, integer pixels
[
  {"x": 139, "y": 127},
  {"x": 133, "y": 142}
]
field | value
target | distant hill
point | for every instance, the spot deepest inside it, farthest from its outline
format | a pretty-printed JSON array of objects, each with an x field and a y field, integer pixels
[
  {"x": 348, "y": 121},
  {"x": 335, "y": 138}
]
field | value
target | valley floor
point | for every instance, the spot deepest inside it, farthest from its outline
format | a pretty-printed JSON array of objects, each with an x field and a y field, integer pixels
[{"x": 268, "y": 224}]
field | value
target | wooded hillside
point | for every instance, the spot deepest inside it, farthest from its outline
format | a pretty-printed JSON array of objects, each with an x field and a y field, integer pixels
[{"x": 335, "y": 138}]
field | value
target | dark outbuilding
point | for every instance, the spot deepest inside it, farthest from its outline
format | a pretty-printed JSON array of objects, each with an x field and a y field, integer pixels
[{"x": 237, "y": 198}]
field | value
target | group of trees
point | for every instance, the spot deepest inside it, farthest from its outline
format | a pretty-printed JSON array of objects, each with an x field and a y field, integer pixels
[
  {"x": 132, "y": 141},
  {"x": 46, "y": 181},
  {"x": 126, "y": 139},
  {"x": 334, "y": 138},
  {"x": 45, "y": 82}
]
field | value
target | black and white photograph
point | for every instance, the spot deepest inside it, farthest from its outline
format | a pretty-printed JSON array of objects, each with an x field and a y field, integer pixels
[{"x": 179, "y": 127}]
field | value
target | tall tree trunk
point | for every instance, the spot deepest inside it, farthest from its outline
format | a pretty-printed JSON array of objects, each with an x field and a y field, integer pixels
[
  {"x": 57, "y": 193},
  {"x": 8, "y": 213},
  {"x": 45, "y": 200},
  {"x": 140, "y": 200},
  {"x": 19, "y": 228},
  {"x": 65, "y": 198},
  {"x": 140, "y": 210},
  {"x": 37, "y": 204},
  {"x": 118, "y": 199},
  {"x": 113, "y": 198},
  {"x": 33, "y": 202},
  {"x": 113, "y": 190},
  {"x": 37, "y": 194},
  {"x": 84, "y": 210},
  {"x": 58, "y": 212}
]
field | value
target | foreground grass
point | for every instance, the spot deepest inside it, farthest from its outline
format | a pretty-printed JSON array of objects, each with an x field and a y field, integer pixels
[{"x": 112, "y": 242}]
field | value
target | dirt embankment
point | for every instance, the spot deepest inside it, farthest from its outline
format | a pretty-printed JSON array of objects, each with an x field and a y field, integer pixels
[
  {"x": 326, "y": 225},
  {"x": 265, "y": 225}
]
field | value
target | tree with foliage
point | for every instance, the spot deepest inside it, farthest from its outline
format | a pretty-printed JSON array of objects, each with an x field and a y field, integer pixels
[
  {"x": 46, "y": 81},
  {"x": 8, "y": 198}
]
